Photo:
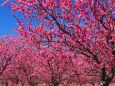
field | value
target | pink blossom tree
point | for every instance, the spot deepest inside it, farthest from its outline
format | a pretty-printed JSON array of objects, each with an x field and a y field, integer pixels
[
  {"x": 7, "y": 52},
  {"x": 84, "y": 26},
  {"x": 22, "y": 69},
  {"x": 56, "y": 67}
]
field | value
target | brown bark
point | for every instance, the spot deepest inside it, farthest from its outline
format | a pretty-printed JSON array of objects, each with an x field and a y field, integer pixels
[{"x": 106, "y": 79}]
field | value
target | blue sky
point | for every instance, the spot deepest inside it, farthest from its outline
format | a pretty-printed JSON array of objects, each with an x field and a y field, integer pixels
[{"x": 7, "y": 21}]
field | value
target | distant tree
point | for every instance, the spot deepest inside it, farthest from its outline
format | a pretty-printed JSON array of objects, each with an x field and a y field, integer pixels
[
  {"x": 23, "y": 67},
  {"x": 7, "y": 52},
  {"x": 56, "y": 67}
]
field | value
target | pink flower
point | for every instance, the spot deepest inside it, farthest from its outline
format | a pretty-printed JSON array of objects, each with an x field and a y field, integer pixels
[{"x": 5, "y": 2}]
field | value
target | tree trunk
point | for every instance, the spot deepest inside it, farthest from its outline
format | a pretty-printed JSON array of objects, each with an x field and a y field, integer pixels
[
  {"x": 106, "y": 82},
  {"x": 2, "y": 84},
  {"x": 22, "y": 84},
  {"x": 106, "y": 79},
  {"x": 17, "y": 83},
  {"x": 56, "y": 85},
  {"x": 92, "y": 84},
  {"x": 6, "y": 83},
  {"x": 32, "y": 85}
]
